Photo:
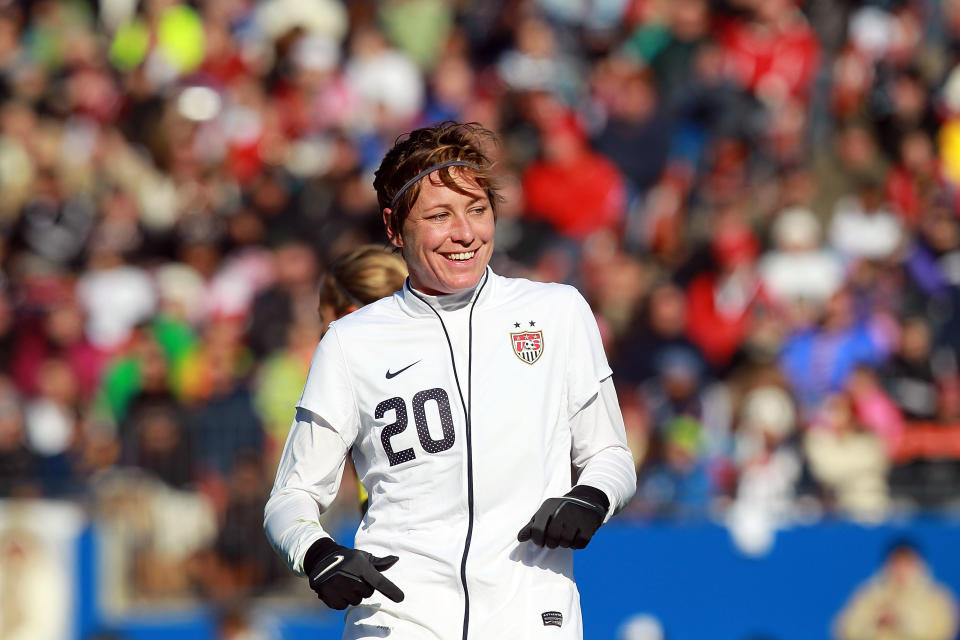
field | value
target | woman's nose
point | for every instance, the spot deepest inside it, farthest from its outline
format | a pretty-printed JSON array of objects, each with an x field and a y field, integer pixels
[{"x": 462, "y": 230}]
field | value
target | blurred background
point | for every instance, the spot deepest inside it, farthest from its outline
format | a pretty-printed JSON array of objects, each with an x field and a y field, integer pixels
[{"x": 759, "y": 198}]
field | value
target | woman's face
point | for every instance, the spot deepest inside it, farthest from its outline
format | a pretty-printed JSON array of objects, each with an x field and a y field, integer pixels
[{"x": 447, "y": 239}]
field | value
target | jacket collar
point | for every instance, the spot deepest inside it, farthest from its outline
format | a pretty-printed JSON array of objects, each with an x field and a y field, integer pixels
[{"x": 417, "y": 304}]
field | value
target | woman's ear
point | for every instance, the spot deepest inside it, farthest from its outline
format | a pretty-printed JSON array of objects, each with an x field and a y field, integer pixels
[{"x": 395, "y": 238}]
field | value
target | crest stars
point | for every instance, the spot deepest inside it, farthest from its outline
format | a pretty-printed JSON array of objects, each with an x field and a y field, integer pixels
[{"x": 527, "y": 343}]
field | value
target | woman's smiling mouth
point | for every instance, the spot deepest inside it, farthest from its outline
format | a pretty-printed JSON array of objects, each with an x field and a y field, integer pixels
[{"x": 460, "y": 257}]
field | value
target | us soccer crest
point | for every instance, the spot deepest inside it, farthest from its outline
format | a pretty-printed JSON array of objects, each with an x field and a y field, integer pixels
[{"x": 527, "y": 345}]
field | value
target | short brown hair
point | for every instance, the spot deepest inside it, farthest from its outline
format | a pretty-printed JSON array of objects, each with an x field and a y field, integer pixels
[
  {"x": 361, "y": 276},
  {"x": 427, "y": 147}
]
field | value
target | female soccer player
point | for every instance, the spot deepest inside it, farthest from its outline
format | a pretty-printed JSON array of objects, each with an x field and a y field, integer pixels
[
  {"x": 357, "y": 278},
  {"x": 480, "y": 415}
]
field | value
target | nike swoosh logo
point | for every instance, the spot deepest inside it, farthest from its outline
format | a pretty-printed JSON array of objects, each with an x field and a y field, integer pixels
[
  {"x": 336, "y": 560},
  {"x": 584, "y": 503},
  {"x": 396, "y": 373}
]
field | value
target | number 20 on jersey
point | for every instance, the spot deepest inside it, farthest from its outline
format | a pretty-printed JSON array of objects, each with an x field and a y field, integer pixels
[{"x": 399, "y": 406}]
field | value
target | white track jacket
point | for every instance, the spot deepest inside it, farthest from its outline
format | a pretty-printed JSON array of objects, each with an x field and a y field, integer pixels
[{"x": 462, "y": 413}]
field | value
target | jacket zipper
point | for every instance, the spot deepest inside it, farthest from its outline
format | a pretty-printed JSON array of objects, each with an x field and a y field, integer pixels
[{"x": 467, "y": 408}]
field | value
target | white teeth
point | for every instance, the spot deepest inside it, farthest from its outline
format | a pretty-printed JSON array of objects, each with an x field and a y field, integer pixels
[{"x": 461, "y": 256}]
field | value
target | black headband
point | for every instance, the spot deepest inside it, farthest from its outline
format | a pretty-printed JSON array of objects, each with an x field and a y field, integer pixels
[{"x": 412, "y": 181}]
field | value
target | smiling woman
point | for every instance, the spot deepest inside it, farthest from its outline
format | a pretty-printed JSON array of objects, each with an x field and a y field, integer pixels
[
  {"x": 507, "y": 388},
  {"x": 447, "y": 238},
  {"x": 438, "y": 200}
]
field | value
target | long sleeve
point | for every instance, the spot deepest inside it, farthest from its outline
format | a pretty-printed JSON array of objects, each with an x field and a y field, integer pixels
[
  {"x": 307, "y": 482},
  {"x": 599, "y": 448},
  {"x": 311, "y": 466}
]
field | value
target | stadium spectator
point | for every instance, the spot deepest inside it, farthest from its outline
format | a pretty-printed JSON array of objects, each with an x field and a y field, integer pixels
[
  {"x": 279, "y": 376},
  {"x": 51, "y": 419},
  {"x": 913, "y": 184},
  {"x": 851, "y": 160},
  {"x": 156, "y": 438},
  {"x": 911, "y": 376},
  {"x": 771, "y": 49},
  {"x": 674, "y": 481},
  {"x": 537, "y": 62},
  {"x": 861, "y": 227},
  {"x": 875, "y": 409},
  {"x": 143, "y": 365},
  {"x": 54, "y": 329},
  {"x": 818, "y": 360},
  {"x": 659, "y": 326},
  {"x": 235, "y": 623},
  {"x": 29, "y": 575},
  {"x": 290, "y": 300},
  {"x": 572, "y": 187},
  {"x": 19, "y": 472},
  {"x": 721, "y": 301},
  {"x": 769, "y": 467},
  {"x": 635, "y": 121},
  {"x": 670, "y": 47},
  {"x": 116, "y": 296},
  {"x": 848, "y": 461},
  {"x": 799, "y": 273},
  {"x": 224, "y": 423},
  {"x": 901, "y": 600}
]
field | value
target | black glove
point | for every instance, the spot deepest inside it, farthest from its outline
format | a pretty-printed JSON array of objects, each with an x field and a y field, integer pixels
[
  {"x": 569, "y": 521},
  {"x": 342, "y": 576}
]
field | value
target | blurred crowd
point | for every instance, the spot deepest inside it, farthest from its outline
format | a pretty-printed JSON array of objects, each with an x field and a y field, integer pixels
[{"x": 759, "y": 198}]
